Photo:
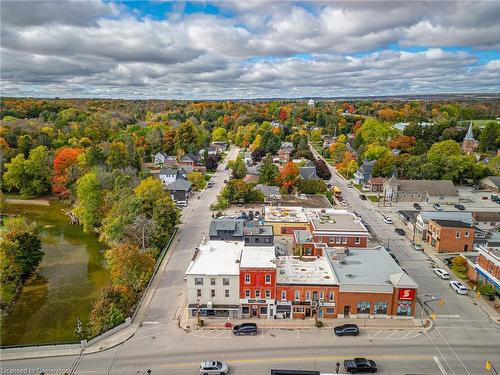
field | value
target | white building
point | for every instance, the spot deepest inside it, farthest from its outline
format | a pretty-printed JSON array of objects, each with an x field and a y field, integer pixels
[
  {"x": 310, "y": 103},
  {"x": 212, "y": 280}
]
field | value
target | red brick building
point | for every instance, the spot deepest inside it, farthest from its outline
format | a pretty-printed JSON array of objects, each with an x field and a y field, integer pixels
[
  {"x": 448, "y": 236},
  {"x": 485, "y": 267},
  {"x": 257, "y": 282}
]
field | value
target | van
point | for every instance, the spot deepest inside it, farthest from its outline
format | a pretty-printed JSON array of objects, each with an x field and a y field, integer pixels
[{"x": 181, "y": 203}]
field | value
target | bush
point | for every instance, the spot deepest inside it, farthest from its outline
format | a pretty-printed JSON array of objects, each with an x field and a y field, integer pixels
[
  {"x": 486, "y": 290},
  {"x": 110, "y": 309},
  {"x": 311, "y": 186},
  {"x": 318, "y": 324}
]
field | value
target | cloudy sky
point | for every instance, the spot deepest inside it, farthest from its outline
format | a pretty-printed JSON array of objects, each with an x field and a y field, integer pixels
[{"x": 215, "y": 50}]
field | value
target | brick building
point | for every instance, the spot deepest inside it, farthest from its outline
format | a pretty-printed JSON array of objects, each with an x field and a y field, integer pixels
[
  {"x": 485, "y": 267},
  {"x": 257, "y": 282},
  {"x": 448, "y": 236}
]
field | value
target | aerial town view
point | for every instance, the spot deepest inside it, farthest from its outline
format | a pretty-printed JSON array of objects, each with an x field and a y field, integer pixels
[{"x": 249, "y": 187}]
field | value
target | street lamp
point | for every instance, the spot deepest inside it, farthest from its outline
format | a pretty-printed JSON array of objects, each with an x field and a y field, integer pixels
[{"x": 424, "y": 303}]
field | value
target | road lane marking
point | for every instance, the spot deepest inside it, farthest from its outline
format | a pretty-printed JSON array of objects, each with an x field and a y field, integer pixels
[
  {"x": 453, "y": 351},
  {"x": 448, "y": 316},
  {"x": 148, "y": 323},
  {"x": 373, "y": 336},
  {"x": 441, "y": 368},
  {"x": 440, "y": 352},
  {"x": 392, "y": 334}
]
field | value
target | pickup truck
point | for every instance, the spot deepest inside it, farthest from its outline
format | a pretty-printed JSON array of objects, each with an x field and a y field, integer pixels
[{"x": 358, "y": 365}]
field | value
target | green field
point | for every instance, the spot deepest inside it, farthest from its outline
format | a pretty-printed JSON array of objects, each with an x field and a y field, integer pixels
[{"x": 479, "y": 122}]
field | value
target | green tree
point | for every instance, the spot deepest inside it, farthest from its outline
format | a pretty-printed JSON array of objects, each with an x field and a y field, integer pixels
[
  {"x": 197, "y": 179},
  {"x": 110, "y": 309},
  {"x": 311, "y": 186},
  {"x": 219, "y": 134},
  {"x": 238, "y": 167},
  {"x": 443, "y": 150},
  {"x": 489, "y": 139},
  {"x": 90, "y": 201},
  {"x": 268, "y": 171}
]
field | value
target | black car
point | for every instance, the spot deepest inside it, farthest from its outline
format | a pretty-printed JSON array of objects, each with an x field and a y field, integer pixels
[
  {"x": 459, "y": 207},
  {"x": 417, "y": 206},
  {"x": 346, "y": 330},
  {"x": 360, "y": 365},
  {"x": 399, "y": 231},
  {"x": 448, "y": 261},
  {"x": 394, "y": 257},
  {"x": 245, "y": 329},
  {"x": 362, "y": 197}
]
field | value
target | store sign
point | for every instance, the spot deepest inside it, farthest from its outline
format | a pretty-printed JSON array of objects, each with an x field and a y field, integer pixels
[{"x": 406, "y": 294}]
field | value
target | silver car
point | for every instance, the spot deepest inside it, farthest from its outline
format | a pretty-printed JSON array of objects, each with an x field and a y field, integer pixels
[{"x": 213, "y": 367}]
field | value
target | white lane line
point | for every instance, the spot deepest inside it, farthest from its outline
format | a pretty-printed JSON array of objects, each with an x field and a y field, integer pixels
[
  {"x": 392, "y": 334},
  {"x": 408, "y": 334},
  {"x": 149, "y": 323},
  {"x": 441, "y": 368},
  {"x": 453, "y": 351},
  {"x": 372, "y": 337},
  {"x": 448, "y": 316},
  {"x": 298, "y": 334},
  {"x": 441, "y": 353}
]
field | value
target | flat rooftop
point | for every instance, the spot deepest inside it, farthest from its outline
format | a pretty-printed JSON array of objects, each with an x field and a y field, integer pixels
[
  {"x": 217, "y": 258},
  {"x": 258, "y": 257},
  {"x": 371, "y": 268},
  {"x": 284, "y": 214},
  {"x": 331, "y": 220},
  {"x": 304, "y": 271}
]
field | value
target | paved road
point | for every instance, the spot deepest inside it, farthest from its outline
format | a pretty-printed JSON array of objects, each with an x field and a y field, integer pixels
[{"x": 459, "y": 344}]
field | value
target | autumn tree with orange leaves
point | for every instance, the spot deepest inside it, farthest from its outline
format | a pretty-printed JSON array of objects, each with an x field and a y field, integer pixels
[
  {"x": 289, "y": 175},
  {"x": 64, "y": 170}
]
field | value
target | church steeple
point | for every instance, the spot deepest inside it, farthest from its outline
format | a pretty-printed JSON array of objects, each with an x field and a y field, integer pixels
[
  {"x": 469, "y": 136},
  {"x": 469, "y": 144}
]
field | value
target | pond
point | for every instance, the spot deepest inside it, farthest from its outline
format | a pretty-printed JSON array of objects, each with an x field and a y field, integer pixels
[{"x": 65, "y": 285}]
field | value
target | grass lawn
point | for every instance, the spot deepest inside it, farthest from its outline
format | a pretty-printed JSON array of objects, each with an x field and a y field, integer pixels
[
  {"x": 373, "y": 198},
  {"x": 357, "y": 186},
  {"x": 478, "y": 122},
  {"x": 331, "y": 162}
]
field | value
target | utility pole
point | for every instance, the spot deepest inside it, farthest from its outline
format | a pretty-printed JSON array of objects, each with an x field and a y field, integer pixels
[{"x": 424, "y": 304}]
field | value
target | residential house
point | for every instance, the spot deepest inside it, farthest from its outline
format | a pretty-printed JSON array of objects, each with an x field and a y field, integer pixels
[
  {"x": 251, "y": 233},
  {"x": 190, "y": 159},
  {"x": 212, "y": 280},
  {"x": 258, "y": 282},
  {"x": 271, "y": 193},
  {"x": 449, "y": 236},
  {"x": 169, "y": 175},
  {"x": 220, "y": 145},
  {"x": 308, "y": 173},
  {"x": 284, "y": 155},
  {"x": 491, "y": 183},
  {"x": 247, "y": 158},
  {"x": 376, "y": 184},
  {"x": 431, "y": 191},
  {"x": 364, "y": 172},
  {"x": 251, "y": 179},
  {"x": 162, "y": 159},
  {"x": 179, "y": 189},
  {"x": 401, "y": 126}
]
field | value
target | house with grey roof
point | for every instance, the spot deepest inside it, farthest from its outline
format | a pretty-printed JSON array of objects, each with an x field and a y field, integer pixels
[
  {"x": 271, "y": 193},
  {"x": 491, "y": 183},
  {"x": 364, "y": 172},
  {"x": 189, "y": 159},
  {"x": 169, "y": 175},
  {"x": 308, "y": 173},
  {"x": 431, "y": 191},
  {"x": 250, "y": 232},
  {"x": 179, "y": 190},
  {"x": 160, "y": 159}
]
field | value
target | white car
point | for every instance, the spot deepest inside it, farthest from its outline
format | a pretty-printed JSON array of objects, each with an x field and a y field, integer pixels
[
  {"x": 344, "y": 203},
  {"x": 213, "y": 367},
  {"x": 442, "y": 273},
  {"x": 387, "y": 220},
  {"x": 437, "y": 206},
  {"x": 458, "y": 287}
]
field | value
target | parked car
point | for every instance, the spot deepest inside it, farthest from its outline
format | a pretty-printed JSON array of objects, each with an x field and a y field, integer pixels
[
  {"x": 484, "y": 198},
  {"x": 448, "y": 261},
  {"x": 344, "y": 203},
  {"x": 245, "y": 329},
  {"x": 417, "y": 246},
  {"x": 225, "y": 181},
  {"x": 417, "y": 206},
  {"x": 442, "y": 273},
  {"x": 213, "y": 367},
  {"x": 437, "y": 206},
  {"x": 460, "y": 207},
  {"x": 362, "y": 197},
  {"x": 458, "y": 287},
  {"x": 349, "y": 185},
  {"x": 357, "y": 365},
  {"x": 399, "y": 231},
  {"x": 346, "y": 330},
  {"x": 210, "y": 184},
  {"x": 394, "y": 257},
  {"x": 387, "y": 220},
  {"x": 181, "y": 204}
]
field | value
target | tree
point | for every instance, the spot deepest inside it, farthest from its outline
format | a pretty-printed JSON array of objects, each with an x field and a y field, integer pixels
[
  {"x": 316, "y": 135},
  {"x": 258, "y": 154},
  {"x": 29, "y": 251},
  {"x": 374, "y": 131},
  {"x": 238, "y": 167},
  {"x": 402, "y": 142},
  {"x": 311, "y": 186},
  {"x": 197, "y": 179},
  {"x": 257, "y": 142},
  {"x": 442, "y": 150},
  {"x": 211, "y": 163},
  {"x": 489, "y": 139},
  {"x": 268, "y": 171},
  {"x": 337, "y": 151},
  {"x": 219, "y": 134},
  {"x": 130, "y": 267},
  {"x": 64, "y": 170},
  {"x": 149, "y": 191},
  {"x": 494, "y": 164},
  {"x": 322, "y": 169},
  {"x": 220, "y": 204},
  {"x": 289, "y": 176},
  {"x": 375, "y": 152},
  {"x": 90, "y": 200},
  {"x": 110, "y": 309}
]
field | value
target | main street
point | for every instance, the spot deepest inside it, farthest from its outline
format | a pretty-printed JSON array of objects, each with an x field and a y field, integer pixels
[{"x": 462, "y": 339}]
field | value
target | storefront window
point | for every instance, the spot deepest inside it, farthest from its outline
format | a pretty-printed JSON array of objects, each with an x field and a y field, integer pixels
[
  {"x": 330, "y": 310},
  {"x": 363, "y": 307},
  {"x": 380, "y": 308},
  {"x": 245, "y": 310},
  {"x": 404, "y": 308}
]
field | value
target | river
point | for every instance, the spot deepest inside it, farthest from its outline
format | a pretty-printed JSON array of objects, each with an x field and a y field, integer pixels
[{"x": 64, "y": 286}]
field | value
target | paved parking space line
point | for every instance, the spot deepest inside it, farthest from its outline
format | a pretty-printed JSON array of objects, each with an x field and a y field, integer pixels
[
  {"x": 408, "y": 334},
  {"x": 392, "y": 334},
  {"x": 441, "y": 368},
  {"x": 373, "y": 336}
]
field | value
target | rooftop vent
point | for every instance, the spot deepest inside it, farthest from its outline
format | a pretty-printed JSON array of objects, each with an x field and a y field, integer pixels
[{"x": 349, "y": 275}]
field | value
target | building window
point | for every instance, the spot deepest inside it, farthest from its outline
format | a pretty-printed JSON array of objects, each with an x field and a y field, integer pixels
[
  {"x": 380, "y": 308},
  {"x": 245, "y": 310},
  {"x": 212, "y": 281},
  {"x": 198, "y": 292},
  {"x": 268, "y": 279},
  {"x": 283, "y": 295},
  {"x": 213, "y": 293},
  {"x": 298, "y": 309},
  {"x": 330, "y": 310},
  {"x": 357, "y": 241},
  {"x": 268, "y": 293},
  {"x": 457, "y": 235},
  {"x": 226, "y": 293},
  {"x": 321, "y": 295},
  {"x": 330, "y": 296},
  {"x": 297, "y": 295},
  {"x": 225, "y": 281},
  {"x": 363, "y": 307},
  {"x": 337, "y": 239},
  {"x": 344, "y": 240},
  {"x": 268, "y": 240},
  {"x": 257, "y": 294},
  {"x": 198, "y": 281},
  {"x": 332, "y": 239},
  {"x": 308, "y": 296},
  {"x": 246, "y": 240},
  {"x": 247, "y": 279},
  {"x": 257, "y": 240},
  {"x": 467, "y": 234},
  {"x": 404, "y": 308},
  {"x": 247, "y": 293}
]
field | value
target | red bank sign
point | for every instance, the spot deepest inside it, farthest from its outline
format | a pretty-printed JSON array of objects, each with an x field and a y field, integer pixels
[{"x": 406, "y": 294}]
